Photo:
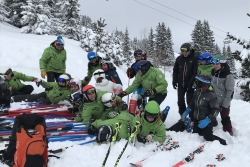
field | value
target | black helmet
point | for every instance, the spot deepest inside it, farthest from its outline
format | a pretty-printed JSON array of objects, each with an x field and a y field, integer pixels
[
  {"x": 203, "y": 81},
  {"x": 104, "y": 133},
  {"x": 185, "y": 47},
  {"x": 138, "y": 51},
  {"x": 142, "y": 65}
]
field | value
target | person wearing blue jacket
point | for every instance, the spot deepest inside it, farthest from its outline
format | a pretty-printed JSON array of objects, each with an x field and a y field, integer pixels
[{"x": 110, "y": 72}]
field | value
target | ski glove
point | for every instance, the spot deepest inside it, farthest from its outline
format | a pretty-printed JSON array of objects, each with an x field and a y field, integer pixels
[
  {"x": 38, "y": 81},
  {"x": 141, "y": 139},
  {"x": 86, "y": 78},
  {"x": 121, "y": 95},
  {"x": 43, "y": 73},
  {"x": 123, "y": 105},
  {"x": 92, "y": 130},
  {"x": 203, "y": 123},
  {"x": 174, "y": 85},
  {"x": 186, "y": 112},
  {"x": 149, "y": 92}
]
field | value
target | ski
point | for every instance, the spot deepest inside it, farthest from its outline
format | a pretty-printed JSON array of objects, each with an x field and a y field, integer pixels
[
  {"x": 160, "y": 147},
  {"x": 190, "y": 157}
]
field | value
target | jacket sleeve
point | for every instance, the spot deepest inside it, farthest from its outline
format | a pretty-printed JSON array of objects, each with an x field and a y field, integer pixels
[
  {"x": 86, "y": 114},
  {"x": 114, "y": 76},
  {"x": 214, "y": 105},
  {"x": 160, "y": 134},
  {"x": 23, "y": 76},
  {"x": 117, "y": 87},
  {"x": 44, "y": 59},
  {"x": 161, "y": 81},
  {"x": 48, "y": 85},
  {"x": 194, "y": 72},
  {"x": 176, "y": 71},
  {"x": 64, "y": 62},
  {"x": 134, "y": 85},
  {"x": 229, "y": 86}
]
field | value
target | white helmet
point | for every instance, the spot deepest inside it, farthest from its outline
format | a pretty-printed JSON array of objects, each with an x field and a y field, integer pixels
[
  {"x": 64, "y": 78},
  {"x": 76, "y": 81},
  {"x": 99, "y": 73},
  {"x": 3, "y": 70},
  {"x": 107, "y": 98}
]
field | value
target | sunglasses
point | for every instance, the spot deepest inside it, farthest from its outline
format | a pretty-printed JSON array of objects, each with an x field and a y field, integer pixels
[
  {"x": 217, "y": 61},
  {"x": 92, "y": 57},
  {"x": 91, "y": 91},
  {"x": 184, "y": 50}
]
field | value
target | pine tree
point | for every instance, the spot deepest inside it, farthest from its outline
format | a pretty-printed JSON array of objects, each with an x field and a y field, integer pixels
[
  {"x": 86, "y": 21},
  {"x": 224, "y": 51},
  {"x": 86, "y": 39},
  {"x": 127, "y": 53},
  {"x": 169, "y": 49},
  {"x": 36, "y": 17},
  {"x": 15, "y": 13},
  {"x": 4, "y": 12},
  {"x": 209, "y": 39},
  {"x": 231, "y": 62},
  {"x": 244, "y": 82},
  {"x": 198, "y": 39},
  {"x": 57, "y": 25},
  {"x": 217, "y": 49},
  {"x": 151, "y": 43}
]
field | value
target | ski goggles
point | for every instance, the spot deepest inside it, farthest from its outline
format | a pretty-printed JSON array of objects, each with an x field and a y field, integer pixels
[
  {"x": 149, "y": 115},
  {"x": 217, "y": 61},
  {"x": 60, "y": 45},
  {"x": 90, "y": 91},
  {"x": 92, "y": 57},
  {"x": 137, "y": 68},
  {"x": 61, "y": 80},
  {"x": 72, "y": 83},
  {"x": 184, "y": 50}
]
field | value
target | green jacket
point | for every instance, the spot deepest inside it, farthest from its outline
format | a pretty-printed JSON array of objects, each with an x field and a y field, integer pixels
[
  {"x": 56, "y": 93},
  {"x": 205, "y": 69},
  {"x": 123, "y": 118},
  {"x": 15, "y": 82},
  {"x": 157, "y": 129},
  {"x": 153, "y": 79},
  {"x": 53, "y": 60},
  {"x": 93, "y": 110},
  {"x": 91, "y": 70}
]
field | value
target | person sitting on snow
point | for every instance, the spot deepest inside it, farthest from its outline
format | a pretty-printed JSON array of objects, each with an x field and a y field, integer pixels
[
  {"x": 205, "y": 109},
  {"x": 102, "y": 84},
  {"x": 4, "y": 93},
  {"x": 55, "y": 91},
  {"x": 76, "y": 97},
  {"x": 13, "y": 81},
  {"x": 110, "y": 72}
]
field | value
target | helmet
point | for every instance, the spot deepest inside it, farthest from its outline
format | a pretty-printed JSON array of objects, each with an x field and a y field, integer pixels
[
  {"x": 76, "y": 81},
  {"x": 104, "y": 133},
  {"x": 203, "y": 81},
  {"x": 64, "y": 78},
  {"x": 60, "y": 41},
  {"x": 219, "y": 58},
  {"x": 138, "y": 51},
  {"x": 76, "y": 98},
  {"x": 91, "y": 55},
  {"x": 87, "y": 90},
  {"x": 185, "y": 47},
  {"x": 205, "y": 56},
  {"x": 4, "y": 70},
  {"x": 142, "y": 65},
  {"x": 152, "y": 109},
  {"x": 107, "y": 98},
  {"x": 99, "y": 73}
]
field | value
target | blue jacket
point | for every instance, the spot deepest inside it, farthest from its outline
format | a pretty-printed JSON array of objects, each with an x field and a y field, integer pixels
[{"x": 112, "y": 76}]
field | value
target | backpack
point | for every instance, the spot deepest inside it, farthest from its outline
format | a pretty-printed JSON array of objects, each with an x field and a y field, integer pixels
[{"x": 28, "y": 142}]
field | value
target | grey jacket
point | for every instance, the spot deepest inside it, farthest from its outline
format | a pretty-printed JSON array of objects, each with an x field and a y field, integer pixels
[{"x": 223, "y": 84}]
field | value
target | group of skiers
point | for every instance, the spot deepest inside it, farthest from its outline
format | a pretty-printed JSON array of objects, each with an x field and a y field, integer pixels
[{"x": 206, "y": 80}]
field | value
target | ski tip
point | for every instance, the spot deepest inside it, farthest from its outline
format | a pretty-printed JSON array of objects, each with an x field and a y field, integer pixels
[{"x": 135, "y": 165}]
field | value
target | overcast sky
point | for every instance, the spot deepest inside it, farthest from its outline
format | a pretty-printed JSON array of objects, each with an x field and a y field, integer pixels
[{"x": 140, "y": 15}]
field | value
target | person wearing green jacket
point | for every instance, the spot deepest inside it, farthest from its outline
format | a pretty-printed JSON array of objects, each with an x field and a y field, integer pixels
[
  {"x": 150, "y": 127},
  {"x": 53, "y": 61},
  {"x": 13, "y": 81},
  {"x": 94, "y": 64},
  {"x": 55, "y": 92},
  {"x": 205, "y": 66},
  {"x": 152, "y": 80}
]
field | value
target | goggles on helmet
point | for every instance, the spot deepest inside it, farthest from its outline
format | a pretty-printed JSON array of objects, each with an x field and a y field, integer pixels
[
  {"x": 150, "y": 115},
  {"x": 92, "y": 57},
  {"x": 61, "y": 80},
  {"x": 184, "y": 50},
  {"x": 90, "y": 91},
  {"x": 217, "y": 61},
  {"x": 73, "y": 83},
  {"x": 136, "y": 68}
]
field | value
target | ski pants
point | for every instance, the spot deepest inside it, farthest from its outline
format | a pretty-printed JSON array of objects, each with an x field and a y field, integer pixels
[
  {"x": 225, "y": 119},
  {"x": 32, "y": 98},
  {"x": 177, "y": 127},
  {"x": 52, "y": 76},
  {"x": 181, "y": 98},
  {"x": 26, "y": 89},
  {"x": 159, "y": 98}
]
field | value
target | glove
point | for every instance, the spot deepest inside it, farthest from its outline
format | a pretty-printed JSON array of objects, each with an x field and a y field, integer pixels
[
  {"x": 86, "y": 78},
  {"x": 64, "y": 72},
  {"x": 149, "y": 138},
  {"x": 184, "y": 115},
  {"x": 174, "y": 85},
  {"x": 130, "y": 71},
  {"x": 43, "y": 73},
  {"x": 121, "y": 95},
  {"x": 203, "y": 123},
  {"x": 123, "y": 105},
  {"x": 149, "y": 92},
  {"x": 73, "y": 109},
  {"x": 37, "y": 81},
  {"x": 141, "y": 139},
  {"x": 92, "y": 130}
]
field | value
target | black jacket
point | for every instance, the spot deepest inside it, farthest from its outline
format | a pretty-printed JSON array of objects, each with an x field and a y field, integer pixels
[
  {"x": 185, "y": 70},
  {"x": 132, "y": 73}
]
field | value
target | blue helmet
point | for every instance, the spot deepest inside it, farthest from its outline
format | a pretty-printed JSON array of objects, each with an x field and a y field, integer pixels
[
  {"x": 91, "y": 55},
  {"x": 142, "y": 65},
  {"x": 205, "y": 56}
]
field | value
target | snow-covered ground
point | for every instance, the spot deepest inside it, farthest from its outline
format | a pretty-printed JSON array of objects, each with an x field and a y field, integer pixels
[{"x": 22, "y": 52}]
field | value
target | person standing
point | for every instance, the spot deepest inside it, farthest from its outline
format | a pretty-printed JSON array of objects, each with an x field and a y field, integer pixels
[
  {"x": 223, "y": 84},
  {"x": 53, "y": 61},
  {"x": 184, "y": 72}
]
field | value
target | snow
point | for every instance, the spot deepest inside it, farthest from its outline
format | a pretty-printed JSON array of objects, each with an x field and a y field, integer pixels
[{"x": 22, "y": 52}]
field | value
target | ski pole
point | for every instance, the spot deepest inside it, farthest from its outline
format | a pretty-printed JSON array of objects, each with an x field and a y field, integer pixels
[{"x": 128, "y": 85}]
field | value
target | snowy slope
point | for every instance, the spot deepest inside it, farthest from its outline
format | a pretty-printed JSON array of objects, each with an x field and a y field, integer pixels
[{"x": 22, "y": 52}]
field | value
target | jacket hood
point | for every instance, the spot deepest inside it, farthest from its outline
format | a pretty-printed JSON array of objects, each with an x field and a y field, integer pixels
[{"x": 222, "y": 72}]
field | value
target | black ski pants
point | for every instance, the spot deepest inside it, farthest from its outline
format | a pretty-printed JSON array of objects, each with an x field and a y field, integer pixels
[
  {"x": 32, "y": 98},
  {"x": 159, "y": 98},
  {"x": 53, "y": 76},
  {"x": 181, "y": 98},
  {"x": 27, "y": 89}
]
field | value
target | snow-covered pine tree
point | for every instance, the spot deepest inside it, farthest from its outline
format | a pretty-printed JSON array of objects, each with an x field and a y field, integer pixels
[
  {"x": 198, "y": 39},
  {"x": 134, "y": 43},
  {"x": 36, "y": 17},
  {"x": 217, "y": 49},
  {"x": 224, "y": 51},
  {"x": 86, "y": 39},
  {"x": 15, "y": 13},
  {"x": 231, "y": 62},
  {"x": 244, "y": 82},
  {"x": 57, "y": 25},
  {"x": 151, "y": 43},
  {"x": 169, "y": 49},
  {"x": 86, "y": 21},
  {"x": 127, "y": 53},
  {"x": 4, "y": 12},
  {"x": 71, "y": 19},
  {"x": 209, "y": 38}
]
